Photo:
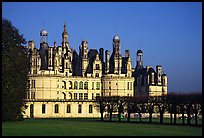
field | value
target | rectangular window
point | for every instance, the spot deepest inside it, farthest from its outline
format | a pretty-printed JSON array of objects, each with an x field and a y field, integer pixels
[
  {"x": 34, "y": 71},
  {"x": 128, "y": 86},
  {"x": 68, "y": 108},
  {"x": 43, "y": 109},
  {"x": 97, "y": 74},
  {"x": 79, "y": 108},
  {"x": 33, "y": 84},
  {"x": 75, "y": 95},
  {"x": 97, "y": 94},
  {"x": 90, "y": 108},
  {"x": 32, "y": 95},
  {"x": 92, "y": 96},
  {"x": 56, "y": 108},
  {"x": 28, "y": 95},
  {"x": 80, "y": 96},
  {"x": 97, "y": 85},
  {"x": 97, "y": 67},
  {"x": 92, "y": 85},
  {"x": 85, "y": 96}
]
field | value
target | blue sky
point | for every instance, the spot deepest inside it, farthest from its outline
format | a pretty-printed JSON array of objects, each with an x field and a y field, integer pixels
[{"x": 168, "y": 33}]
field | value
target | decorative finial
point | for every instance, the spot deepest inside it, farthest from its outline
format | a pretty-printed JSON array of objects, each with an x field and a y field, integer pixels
[{"x": 116, "y": 31}]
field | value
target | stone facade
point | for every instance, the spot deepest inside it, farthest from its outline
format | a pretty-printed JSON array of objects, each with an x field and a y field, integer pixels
[{"x": 63, "y": 83}]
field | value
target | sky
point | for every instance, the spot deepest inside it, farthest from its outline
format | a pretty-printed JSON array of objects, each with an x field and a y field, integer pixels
[{"x": 168, "y": 33}]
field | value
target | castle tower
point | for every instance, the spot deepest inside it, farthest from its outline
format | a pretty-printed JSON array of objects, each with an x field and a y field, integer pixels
[
  {"x": 116, "y": 46},
  {"x": 44, "y": 49},
  {"x": 65, "y": 34},
  {"x": 84, "y": 56},
  {"x": 159, "y": 74},
  {"x": 43, "y": 36},
  {"x": 116, "y": 54},
  {"x": 139, "y": 64}
]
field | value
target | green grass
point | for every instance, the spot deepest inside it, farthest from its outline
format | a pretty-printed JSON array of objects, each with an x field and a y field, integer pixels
[{"x": 93, "y": 127}]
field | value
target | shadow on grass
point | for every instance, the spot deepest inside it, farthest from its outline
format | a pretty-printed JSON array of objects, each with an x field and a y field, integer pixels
[{"x": 116, "y": 121}]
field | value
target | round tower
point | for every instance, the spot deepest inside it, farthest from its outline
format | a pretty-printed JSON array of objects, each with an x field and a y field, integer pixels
[
  {"x": 139, "y": 59},
  {"x": 43, "y": 36}
]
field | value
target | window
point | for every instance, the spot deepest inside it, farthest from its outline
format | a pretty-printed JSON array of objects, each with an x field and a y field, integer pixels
[
  {"x": 97, "y": 74},
  {"x": 28, "y": 95},
  {"x": 92, "y": 96},
  {"x": 70, "y": 85},
  {"x": 80, "y": 85},
  {"x": 92, "y": 85},
  {"x": 64, "y": 95},
  {"x": 128, "y": 85},
  {"x": 31, "y": 111},
  {"x": 66, "y": 65},
  {"x": 75, "y": 85},
  {"x": 43, "y": 109},
  {"x": 64, "y": 85},
  {"x": 31, "y": 108},
  {"x": 33, "y": 84},
  {"x": 34, "y": 71},
  {"x": 90, "y": 108},
  {"x": 68, "y": 108},
  {"x": 56, "y": 108},
  {"x": 75, "y": 95},
  {"x": 28, "y": 84},
  {"x": 97, "y": 85},
  {"x": 97, "y": 67},
  {"x": 32, "y": 95},
  {"x": 79, "y": 108},
  {"x": 80, "y": 96},
  {"x": 85, "y": 96},
  {"x": 98, "y": 94},
  {"x": 86, "y": 85}
]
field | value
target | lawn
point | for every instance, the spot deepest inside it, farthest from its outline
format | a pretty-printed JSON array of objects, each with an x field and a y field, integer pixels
[{"x": 93, "y": 127}]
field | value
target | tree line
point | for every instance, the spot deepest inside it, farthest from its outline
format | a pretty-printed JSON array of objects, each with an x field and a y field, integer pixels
[{"x": 190, "y": 104}]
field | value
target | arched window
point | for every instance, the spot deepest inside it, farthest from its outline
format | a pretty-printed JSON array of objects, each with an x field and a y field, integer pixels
[
  {"x": 75, "y": 85},
  {"x": 64, "y": 95},
  {"x": 80, "y": 85},
  {"x": 64, "y": 84},
  {"x": 70, "y": 85},
  {"x": 86, "y": 85}
]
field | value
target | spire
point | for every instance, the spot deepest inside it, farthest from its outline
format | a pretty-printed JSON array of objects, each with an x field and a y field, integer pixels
[{"x": 65, "y": 34}]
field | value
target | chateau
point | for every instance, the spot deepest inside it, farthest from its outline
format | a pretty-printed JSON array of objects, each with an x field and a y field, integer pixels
[{"x": 64, "y": 83}]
